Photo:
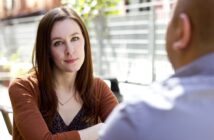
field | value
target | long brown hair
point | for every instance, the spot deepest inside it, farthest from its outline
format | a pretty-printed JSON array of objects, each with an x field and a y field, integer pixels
[{"x": 43, "y": 64}]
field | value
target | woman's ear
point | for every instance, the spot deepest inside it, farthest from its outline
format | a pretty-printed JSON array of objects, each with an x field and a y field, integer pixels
[{"x": 184, "y": 32}]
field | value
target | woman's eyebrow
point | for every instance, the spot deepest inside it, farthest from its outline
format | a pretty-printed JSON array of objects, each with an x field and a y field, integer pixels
[
  {"x": 56, "y": 38},
  {"x": 75, "y": 33},
  {"x": 59, "y": 38}
]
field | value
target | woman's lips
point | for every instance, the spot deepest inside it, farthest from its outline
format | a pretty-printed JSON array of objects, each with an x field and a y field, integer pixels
[{"x": 70, "y": 60}]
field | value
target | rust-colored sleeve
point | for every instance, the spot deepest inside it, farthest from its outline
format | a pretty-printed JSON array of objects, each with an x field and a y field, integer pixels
[
  {"x": 108, "y": 100},
  {"x": 28, "y": 121}
]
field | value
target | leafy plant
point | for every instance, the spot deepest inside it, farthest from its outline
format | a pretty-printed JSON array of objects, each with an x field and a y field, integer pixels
[{"x": 91, "y": 8}]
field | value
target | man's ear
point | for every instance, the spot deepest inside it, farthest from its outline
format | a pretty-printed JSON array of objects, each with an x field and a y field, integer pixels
[{"x": 184, "y": 32}]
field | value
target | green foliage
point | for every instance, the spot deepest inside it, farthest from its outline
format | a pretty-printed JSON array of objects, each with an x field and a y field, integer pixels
[
  {"x": 91, "y": 8},
  {"x": 14, "y": 57}
]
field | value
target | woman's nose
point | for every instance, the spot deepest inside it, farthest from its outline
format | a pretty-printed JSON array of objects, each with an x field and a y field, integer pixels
[{"x": 69, "y": 48}]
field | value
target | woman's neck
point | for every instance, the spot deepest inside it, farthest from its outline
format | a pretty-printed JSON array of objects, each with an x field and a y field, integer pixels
[{"x": 64, "y": 81}]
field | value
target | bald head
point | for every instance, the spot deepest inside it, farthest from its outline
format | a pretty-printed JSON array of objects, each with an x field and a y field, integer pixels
[
  {"x": 201, "y": 15},
  {"x": 190, "y": 32}
]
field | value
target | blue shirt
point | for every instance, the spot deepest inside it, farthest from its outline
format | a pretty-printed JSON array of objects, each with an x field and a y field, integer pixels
[{"x": 179, "y": 108}]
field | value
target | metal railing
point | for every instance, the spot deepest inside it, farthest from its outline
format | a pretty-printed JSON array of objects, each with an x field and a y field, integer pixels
[{"x": 131, "y": 46}]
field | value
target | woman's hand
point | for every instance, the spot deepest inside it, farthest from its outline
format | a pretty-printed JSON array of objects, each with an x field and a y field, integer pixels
[{"x": 90, "y": 133}]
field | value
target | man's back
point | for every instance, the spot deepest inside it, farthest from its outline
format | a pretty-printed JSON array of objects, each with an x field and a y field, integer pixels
[{"x": 180, "y": 108}]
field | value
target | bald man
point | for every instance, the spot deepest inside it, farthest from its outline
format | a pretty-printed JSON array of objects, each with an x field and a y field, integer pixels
[{"x": 181, "y": 107}]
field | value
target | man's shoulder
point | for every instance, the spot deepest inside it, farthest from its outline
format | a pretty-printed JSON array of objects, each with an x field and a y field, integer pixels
[
  {"x": 159, "y": 96},
  {"x": 180, "y": 86},
  {"x": 165, "y": 95}
]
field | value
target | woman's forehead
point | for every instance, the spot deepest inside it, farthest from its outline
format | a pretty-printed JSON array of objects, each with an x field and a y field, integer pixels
[{"x": 65, "y": 27}]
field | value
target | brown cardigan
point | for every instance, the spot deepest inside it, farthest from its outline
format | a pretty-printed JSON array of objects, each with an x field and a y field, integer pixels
[{"x": 28, "y": 121}]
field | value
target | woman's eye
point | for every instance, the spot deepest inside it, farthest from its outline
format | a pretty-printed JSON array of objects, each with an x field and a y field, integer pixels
[
  {"x": 74, "y": 38},
  {"x": 58, "y": 43}
]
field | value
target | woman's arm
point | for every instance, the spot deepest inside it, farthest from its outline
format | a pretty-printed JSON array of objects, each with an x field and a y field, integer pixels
[
  {"x": 90, "y": 133},
  {"x": 28, "y": 121},
  {"x": 108, "y": 100}
]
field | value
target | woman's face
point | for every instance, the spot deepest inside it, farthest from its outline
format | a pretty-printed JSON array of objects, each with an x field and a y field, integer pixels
[{"x": 67, "y": 46}]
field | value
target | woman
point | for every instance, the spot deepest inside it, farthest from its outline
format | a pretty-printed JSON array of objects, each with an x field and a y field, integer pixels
[{"x": 60, "y": 99}]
